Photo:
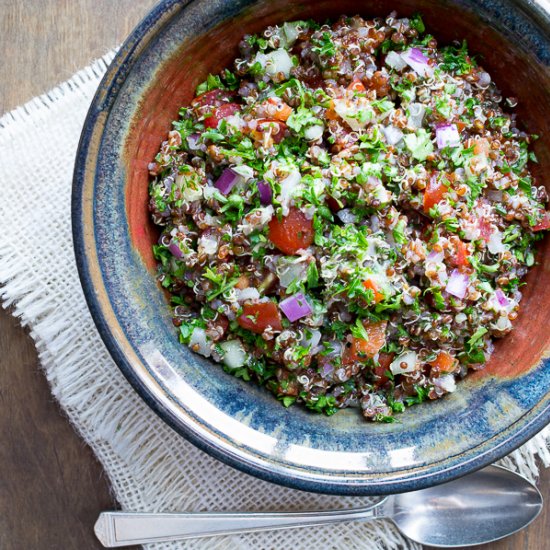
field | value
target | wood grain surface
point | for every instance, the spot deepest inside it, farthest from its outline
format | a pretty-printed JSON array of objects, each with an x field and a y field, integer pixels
[{"x": 51, "y": 486}]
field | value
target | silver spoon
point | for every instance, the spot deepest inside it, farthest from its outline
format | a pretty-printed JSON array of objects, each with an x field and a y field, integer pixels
[{"x": 481, "y": 507}]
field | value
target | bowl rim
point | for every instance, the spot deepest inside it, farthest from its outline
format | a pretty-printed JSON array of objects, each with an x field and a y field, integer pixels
[{"x": 533, "y": 421}]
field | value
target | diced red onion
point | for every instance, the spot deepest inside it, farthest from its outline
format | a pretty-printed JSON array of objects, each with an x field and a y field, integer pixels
[
  {"x": 311, "y": 338},
  {"x": 447, "y": 135},
  {"x": 501, "y": 298},
  {"x": 326, "y": 364},
  {"x": 266, "y": 194},
  {"x": 484, "y": 80},
  {"x": 457, "y": 284},
  {"x": 417, "y": 55},
  {"x": 334, "y": 349},
  {"x": 295, "y": 307},
  {"x": 227, "y": 181},
  {"x": 339, "y": 390},
  {"x": 175, "y": 250},
  {"x": 327, "y": 370},
  {"x": 192, "y": 141},
  {"x": 168, "y": 184},
  {"x": 435, "y": 257},
  {"x": 417, "y": 61}
]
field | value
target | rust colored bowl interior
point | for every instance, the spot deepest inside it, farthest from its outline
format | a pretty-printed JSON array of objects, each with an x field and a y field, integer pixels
[
  {"x": 511, "y": 68},
  {"x": 143, "y": 102}
]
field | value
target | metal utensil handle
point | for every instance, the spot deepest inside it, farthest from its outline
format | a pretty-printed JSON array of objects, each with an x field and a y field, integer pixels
[{"x": 114, "y": 529}]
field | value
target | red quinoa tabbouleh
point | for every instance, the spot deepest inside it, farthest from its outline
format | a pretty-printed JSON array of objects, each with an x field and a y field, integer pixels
[{"x": 347, "y": 215}]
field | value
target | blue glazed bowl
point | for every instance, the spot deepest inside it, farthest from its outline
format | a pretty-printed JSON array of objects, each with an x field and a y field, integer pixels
[{"x": 154, "y": 73}]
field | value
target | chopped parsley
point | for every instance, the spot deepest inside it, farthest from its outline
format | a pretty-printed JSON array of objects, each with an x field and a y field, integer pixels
[{"x": 317, "y": 222}]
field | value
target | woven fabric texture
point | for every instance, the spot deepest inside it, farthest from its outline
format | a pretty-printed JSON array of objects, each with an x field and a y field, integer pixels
[{"x": 150, "y": 467}]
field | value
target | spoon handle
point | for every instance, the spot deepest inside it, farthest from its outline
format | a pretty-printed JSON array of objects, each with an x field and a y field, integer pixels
[{"x": 114, "y": 529}]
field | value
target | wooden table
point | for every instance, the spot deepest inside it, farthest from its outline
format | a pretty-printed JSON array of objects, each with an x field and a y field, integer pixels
[{"x": 51, "y": 486}]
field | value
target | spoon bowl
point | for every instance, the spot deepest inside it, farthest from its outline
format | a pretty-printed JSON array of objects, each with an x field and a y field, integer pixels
[{"x": 476, "y": 509}]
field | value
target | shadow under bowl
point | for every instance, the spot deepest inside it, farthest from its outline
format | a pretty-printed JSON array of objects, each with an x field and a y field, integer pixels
[{"x": 156, "y": 72}]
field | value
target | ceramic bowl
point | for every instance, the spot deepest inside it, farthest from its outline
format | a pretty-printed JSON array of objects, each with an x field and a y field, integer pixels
[{"x": 156, "y": 72}]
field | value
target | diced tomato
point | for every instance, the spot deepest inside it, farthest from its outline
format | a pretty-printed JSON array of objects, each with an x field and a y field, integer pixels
[
  {"x": 357, "y": 86},
  {"x": 481, "y": 147},
  {"x": 460, "y": 259},
  {"x": 291, "y": 233},
  {"x": 283, "y": 112},
  {"x": 221, "y": 112},
  {"x": 275, "y": 127},
  {"x": 279, "y": 110},
  {"x": 460, "y": 125},
  {"x": 543, "y": 224},
  {"x": 369, "y": 284},
  {"x": 444, "y": 362},
  {"x": 385, "y": 359},
  {"x": 213, "y": 98},
  {"x": 384, "y": 362},
  {"x": 360, "y": 349},
  {"x": 215, "y": 105},
  {"x": 435, "y": 191},
  {"x": 257, "y": 317},
  {"x": 330, "y": 113}
]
